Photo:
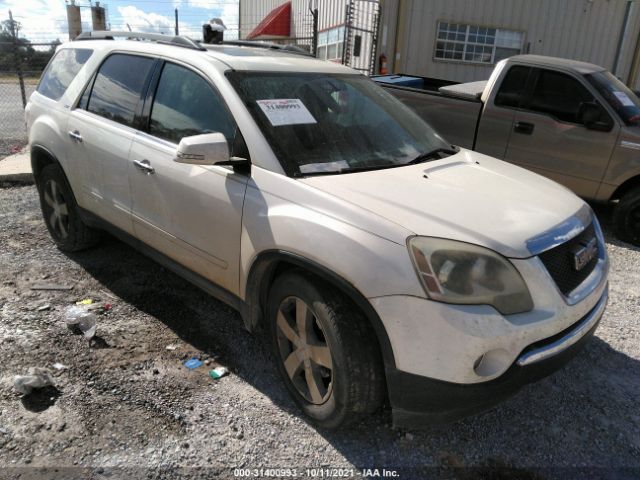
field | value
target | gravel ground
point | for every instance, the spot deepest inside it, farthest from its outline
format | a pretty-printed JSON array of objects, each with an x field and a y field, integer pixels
[{"x": 126, "y": 407}]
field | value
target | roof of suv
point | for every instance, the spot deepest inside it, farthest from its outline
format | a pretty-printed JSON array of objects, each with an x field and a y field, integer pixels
[{"x": 236, "y": 57}]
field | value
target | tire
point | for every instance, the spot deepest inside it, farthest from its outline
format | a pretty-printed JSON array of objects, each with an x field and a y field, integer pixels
[
  {"x": 60, "y": 212},
  {"x": 336, "y": 373},
  {"x": 626, "y": 217}
]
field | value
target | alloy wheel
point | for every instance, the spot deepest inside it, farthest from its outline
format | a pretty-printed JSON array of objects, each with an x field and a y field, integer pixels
[
  {"x": 57, "y": 211},
  {"x": 304, "y": 350}
]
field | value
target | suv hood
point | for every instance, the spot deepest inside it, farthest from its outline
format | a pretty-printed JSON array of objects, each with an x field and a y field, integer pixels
[{"x": 468, "y": 197}]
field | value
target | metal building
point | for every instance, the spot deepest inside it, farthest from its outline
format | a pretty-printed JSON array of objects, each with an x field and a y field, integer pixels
[
  {"x": 344, "y": 31},
  {"x": 461, "y": 40}
]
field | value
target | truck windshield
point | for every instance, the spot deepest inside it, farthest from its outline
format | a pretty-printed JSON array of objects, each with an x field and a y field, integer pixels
[
  {"x": 320, "y": 123},
  {"x": 624, "y": 101}
]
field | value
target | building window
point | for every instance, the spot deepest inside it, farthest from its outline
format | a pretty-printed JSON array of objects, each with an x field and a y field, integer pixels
[
  {"x": 331, "y": 44},
  {"x": 475, "y": 44}
]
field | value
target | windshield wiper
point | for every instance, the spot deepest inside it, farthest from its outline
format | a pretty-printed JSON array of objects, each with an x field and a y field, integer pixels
[
  {"x": 432, "y": 155},
  {"x": 436, "y": 154}
]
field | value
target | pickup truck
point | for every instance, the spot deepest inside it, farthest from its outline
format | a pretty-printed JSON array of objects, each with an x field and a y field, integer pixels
[{"x": 571, "y": 121}]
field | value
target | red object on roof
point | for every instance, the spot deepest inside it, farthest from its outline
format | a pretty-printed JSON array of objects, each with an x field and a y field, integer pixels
[{"x": 276, "y": 24}]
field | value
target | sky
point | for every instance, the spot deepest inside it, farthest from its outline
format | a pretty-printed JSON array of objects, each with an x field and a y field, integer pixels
[{"x": 46, "y": 20}]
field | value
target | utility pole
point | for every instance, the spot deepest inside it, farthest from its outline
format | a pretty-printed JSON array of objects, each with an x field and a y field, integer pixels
[
  {"x": 177, "y": 31},
  {"x": 16, "y": 53}
]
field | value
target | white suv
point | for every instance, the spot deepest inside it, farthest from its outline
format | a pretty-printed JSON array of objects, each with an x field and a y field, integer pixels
[{"x": 383, "y": 262}]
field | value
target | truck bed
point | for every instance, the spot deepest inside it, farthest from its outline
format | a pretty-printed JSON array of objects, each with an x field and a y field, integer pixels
[{"x": 451, "y": 109}]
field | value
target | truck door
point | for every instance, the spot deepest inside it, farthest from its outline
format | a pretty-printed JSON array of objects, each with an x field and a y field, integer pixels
[
  {"x": 549, "y": 135},
  {"x": 498, "y": 114}
]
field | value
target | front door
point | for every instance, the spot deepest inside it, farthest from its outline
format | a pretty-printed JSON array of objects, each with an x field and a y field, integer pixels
[
  {"x": 549, "y": 137},
  {"x": 191, "y": 213}
]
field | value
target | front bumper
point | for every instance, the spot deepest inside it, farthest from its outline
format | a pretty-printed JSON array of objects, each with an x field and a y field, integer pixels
[{"x": 420, "y": 401}]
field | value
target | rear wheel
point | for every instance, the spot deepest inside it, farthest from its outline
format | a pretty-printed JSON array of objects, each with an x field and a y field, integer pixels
[
  {"x": 60, "y": 212},
  {"x": 626, "y": 217},
  {"x": 326, "y": 351}
]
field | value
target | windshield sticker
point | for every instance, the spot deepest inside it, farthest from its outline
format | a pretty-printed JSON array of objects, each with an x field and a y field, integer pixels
[
  {"x": 286, "y": 111},
  {"x": 324, "y": 167},
  {"x": 624, "y": 99}
]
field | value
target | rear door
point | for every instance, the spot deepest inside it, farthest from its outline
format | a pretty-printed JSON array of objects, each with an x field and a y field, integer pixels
[
  {"x": 101, "y": 129},
  {"x": 549, "y": 137},
  {"x": 191, "y": 213}
]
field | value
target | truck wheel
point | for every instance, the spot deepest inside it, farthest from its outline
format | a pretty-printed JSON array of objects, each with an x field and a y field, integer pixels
[
  {"x": 626, "y": 217},
  {"x": 325, "y": 350},
  {"x": 60, "y": 212}
]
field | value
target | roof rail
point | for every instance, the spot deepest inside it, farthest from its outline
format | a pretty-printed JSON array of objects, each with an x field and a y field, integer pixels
[
  {"x": 268, "y": 45},
  {"x": 177, "y": 40}
]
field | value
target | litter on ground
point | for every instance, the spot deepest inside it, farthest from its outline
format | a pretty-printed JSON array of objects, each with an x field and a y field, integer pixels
[
  {"x": 37, "y": 378},
  {"x": 218, "y": 372},
  {"x": 81, "y": 319},
  {"x": 50, "y": 286},
  {"x": 193, "y": 363}
]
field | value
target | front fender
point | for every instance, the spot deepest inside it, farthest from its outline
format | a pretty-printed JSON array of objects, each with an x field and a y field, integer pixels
[{"x": 325, "y": 231}]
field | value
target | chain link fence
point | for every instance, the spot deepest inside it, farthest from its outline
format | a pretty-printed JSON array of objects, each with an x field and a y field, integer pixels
[{"x": 21, "y": 64}]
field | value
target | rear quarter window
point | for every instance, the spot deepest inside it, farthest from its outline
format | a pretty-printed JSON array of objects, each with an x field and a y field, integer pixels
[{"x": 61, "y": 71}]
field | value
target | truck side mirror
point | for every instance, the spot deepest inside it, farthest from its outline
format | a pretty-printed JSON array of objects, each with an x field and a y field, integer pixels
[
  {"x": 204, "y": 149},
  {"x": 594, "y": 117}
]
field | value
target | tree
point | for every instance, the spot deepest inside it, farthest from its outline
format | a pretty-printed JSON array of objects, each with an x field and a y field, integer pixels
[{"x": 28, "y": 59}]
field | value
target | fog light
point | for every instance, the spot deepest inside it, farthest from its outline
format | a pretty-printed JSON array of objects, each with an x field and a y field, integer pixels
[{"x": 492, "y": 363}]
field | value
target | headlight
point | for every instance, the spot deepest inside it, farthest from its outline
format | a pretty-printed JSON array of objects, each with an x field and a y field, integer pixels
[{"x": 462, "y": 273}]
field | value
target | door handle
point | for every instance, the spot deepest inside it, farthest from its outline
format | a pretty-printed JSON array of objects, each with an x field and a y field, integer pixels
[
  {"x": 75, "y": 136},
  {"x": 144, "y": 166},
  {"x": 524, "y": 127}
]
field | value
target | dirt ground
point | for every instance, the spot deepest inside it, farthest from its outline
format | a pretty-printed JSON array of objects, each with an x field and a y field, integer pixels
[{"x": 126, "y": 407}]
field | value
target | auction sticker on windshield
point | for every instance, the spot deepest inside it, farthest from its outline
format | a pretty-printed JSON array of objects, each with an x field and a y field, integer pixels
[{"x": 286, "y": 111}]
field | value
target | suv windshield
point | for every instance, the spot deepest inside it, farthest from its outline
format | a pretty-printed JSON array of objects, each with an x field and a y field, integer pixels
[
  {"x": 624, "y": 101},
  {"x": 326, "y": 123}
]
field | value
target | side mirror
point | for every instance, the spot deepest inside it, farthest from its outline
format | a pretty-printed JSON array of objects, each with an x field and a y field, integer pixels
[
  {"x": 594, "y": 117},
  {"x": 205, "y": 149}
]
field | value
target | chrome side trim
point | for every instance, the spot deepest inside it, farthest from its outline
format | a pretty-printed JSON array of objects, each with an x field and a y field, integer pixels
[
  {"x": 561, "y": 233},
  {"x": 630, "y": 145},
  {"x": 572, "y": 337}
]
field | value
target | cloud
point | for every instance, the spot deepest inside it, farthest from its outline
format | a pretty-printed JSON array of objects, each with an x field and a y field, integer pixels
[
  {"x": 141, "y": 21},
  {"x": 41, "y": 20},
  {"x": 46, "y": 20}
]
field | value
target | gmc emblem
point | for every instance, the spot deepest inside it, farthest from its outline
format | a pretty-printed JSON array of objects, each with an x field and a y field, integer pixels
[{"x": 584, "y": 253}]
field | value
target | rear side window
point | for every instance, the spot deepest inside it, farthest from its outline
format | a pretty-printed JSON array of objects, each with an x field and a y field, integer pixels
[
  {"x": 559, "y": 95},
  {"x": 185, "y": 105},
  {"x": 63, "y": 68},
  {"x": 513, "y": 87},
  {"x": 118, "y": 87}
]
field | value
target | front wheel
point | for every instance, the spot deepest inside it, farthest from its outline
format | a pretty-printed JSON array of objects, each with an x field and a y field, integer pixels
[
  {"x": 626, "y": 217},
  {"x": 327, "y": 353}
]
